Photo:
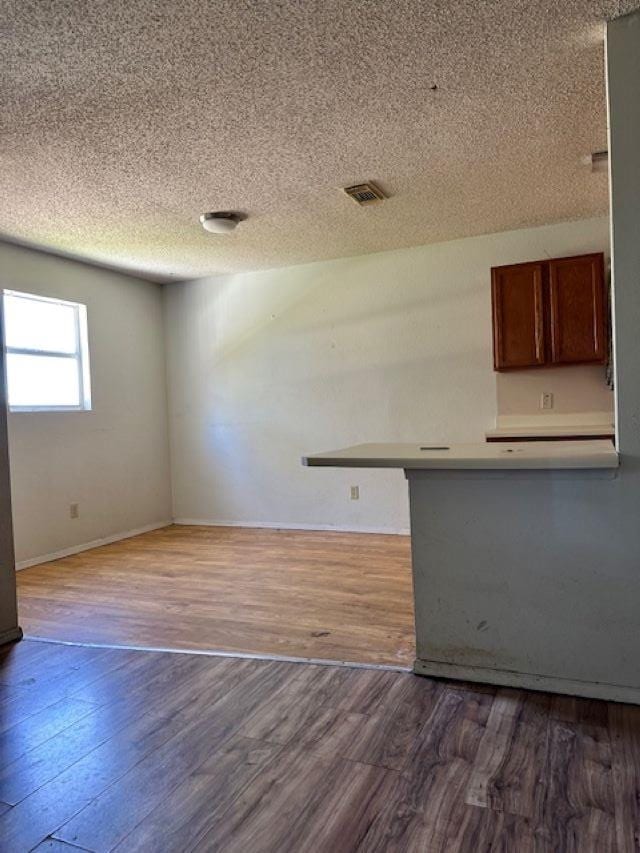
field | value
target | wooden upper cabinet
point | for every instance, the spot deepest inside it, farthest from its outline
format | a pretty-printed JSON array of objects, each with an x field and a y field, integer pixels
[
  {"x": 577, "y": 298},
  {"x": 518, "y": 316},
  {"x": 549, "y": 312}
]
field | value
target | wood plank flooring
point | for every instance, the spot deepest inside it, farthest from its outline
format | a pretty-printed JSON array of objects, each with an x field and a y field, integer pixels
[
  {"x": 108, "y": 749},
  {"x": 328, "y": 596}
]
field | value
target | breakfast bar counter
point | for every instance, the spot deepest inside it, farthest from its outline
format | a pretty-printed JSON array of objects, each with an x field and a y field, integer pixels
[
  {"x": 499, "y": 535},
  {"x": 550, "y": 455}
]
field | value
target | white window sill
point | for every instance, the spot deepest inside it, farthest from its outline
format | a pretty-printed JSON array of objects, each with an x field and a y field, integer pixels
[{"x": 17, "y": 409}]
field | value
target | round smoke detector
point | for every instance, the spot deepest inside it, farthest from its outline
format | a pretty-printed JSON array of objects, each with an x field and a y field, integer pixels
[{"x": 221, "y": 221}]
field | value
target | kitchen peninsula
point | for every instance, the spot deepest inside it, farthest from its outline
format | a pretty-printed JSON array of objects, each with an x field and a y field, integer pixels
[{"x": 498, "y": 534}]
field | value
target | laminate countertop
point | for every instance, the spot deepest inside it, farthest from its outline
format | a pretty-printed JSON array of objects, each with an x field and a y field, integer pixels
[{"x": 549, "y": 455}]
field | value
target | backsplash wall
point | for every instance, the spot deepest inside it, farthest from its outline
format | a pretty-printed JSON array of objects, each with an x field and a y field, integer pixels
[{"x": 578, "y": 388}]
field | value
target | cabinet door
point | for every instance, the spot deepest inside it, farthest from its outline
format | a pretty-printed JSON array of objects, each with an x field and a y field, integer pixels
[
  {"x": 518, "y": 316},
  {"x": 578, "y": 328}
]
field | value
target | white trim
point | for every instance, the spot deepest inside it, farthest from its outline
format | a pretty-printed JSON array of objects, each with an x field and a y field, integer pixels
[
  {"x": 49, "y": 353},
  {"x": 37, "y": 297},
  {"x": 390, "y": 667},
  {"x": 80, "y": 356},
  {"x": 16, "y": 410},
  {"x": 87, "y": 546},
  {"x": 530, "y": 681},
  {"x": 275, "y": 525}
]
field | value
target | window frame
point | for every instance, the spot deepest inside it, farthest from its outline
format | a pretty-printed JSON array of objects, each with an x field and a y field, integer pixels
[{"x": 80, "y": 355}]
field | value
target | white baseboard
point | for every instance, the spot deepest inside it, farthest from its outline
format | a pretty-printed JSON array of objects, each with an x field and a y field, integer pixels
[
  {"x": 274, "y": 525},
  {"x": 546, "y": 683},
  {"x": 86, "y": 546},
  {"x": 200, "y": 522}
]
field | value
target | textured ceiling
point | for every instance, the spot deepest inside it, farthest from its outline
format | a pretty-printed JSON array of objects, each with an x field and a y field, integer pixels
[{"x": 123, "y": 120}]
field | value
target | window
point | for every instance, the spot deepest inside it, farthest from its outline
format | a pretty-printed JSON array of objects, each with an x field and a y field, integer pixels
[{"x": 47, "y": 353}]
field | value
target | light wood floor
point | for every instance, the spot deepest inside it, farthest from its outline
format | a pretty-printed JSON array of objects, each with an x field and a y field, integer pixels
[
  {"x": 104, "y": 749},
  {"x": 333, "y": 596}
]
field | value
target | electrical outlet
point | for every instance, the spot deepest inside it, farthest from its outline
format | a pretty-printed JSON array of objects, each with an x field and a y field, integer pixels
[
  {"x": 355, "y": 493},
  {"x": 74, "y": 510},
  {"x": 546, "y": 400}
]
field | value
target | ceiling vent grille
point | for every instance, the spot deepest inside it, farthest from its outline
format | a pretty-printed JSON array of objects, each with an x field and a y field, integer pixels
[{"x": 365, "y": 193}]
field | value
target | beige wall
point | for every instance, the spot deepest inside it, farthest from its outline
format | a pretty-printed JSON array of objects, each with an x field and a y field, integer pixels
[
  {"x": 114, "y": 460},
  {"x": 265, "y": 367},
  {"x": 262, "y": 368},
  {"x": 577, "y": 389}
]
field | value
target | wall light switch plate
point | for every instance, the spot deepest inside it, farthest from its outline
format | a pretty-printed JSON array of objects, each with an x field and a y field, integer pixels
[
  {"x": 355, "y": 493},
  {"x": 546, "y": 400},
  {"x": 74, "y": 510}
]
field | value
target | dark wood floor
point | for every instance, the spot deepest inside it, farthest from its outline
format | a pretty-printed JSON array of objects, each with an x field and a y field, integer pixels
[
  {"x": 294, "y": 593},
  {"x": 104, "y": 749}
]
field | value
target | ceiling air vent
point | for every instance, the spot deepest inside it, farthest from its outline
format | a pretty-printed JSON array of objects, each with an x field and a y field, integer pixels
[{"x": 365, "y": 193}]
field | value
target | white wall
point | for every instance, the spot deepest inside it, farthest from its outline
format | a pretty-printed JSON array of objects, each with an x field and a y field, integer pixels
[
  {"x": 9, "y": 629},
  {"x": 264, "y": 367},
  {"x": 623, "y": 68},
  {"x": 575, "y": 389},
  {"x": 114, "y": 460}
]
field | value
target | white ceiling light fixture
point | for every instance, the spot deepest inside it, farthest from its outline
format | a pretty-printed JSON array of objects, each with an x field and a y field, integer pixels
[{"x": 221, "y": 221}]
